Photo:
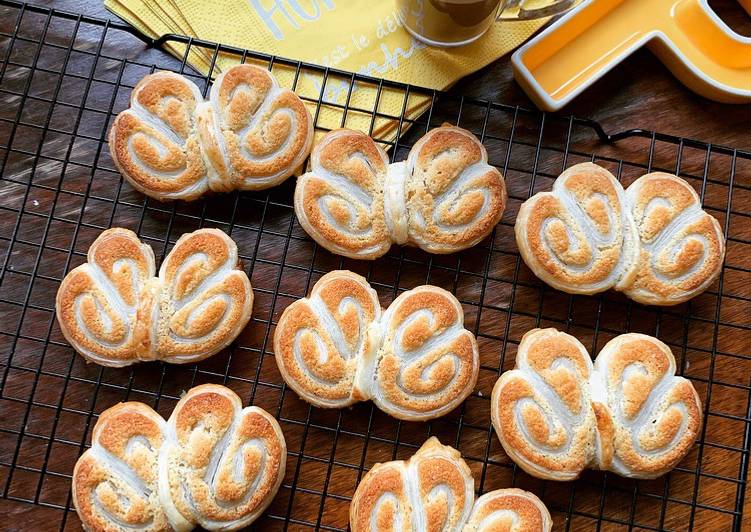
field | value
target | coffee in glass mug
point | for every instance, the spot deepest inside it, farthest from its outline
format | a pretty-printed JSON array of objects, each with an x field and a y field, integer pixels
[{"x": 458, "y": 22}]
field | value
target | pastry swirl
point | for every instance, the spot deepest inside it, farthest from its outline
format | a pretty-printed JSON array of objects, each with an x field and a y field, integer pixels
[
  {"x": 444, "y": 198},
  {"x": 652, "y": 241},
  {"x": 220, "y": 465},
  {"x": 434, "y": 490},
  {"x": 655, "y": 415},
  {"x": 213, "y": 464},
  {"x": 415, "y": 360},
  {"x": 115, "y": 482},
  {"x": 682, "y": 247},
  {"x": 115, "y": 312},
  {"x": 171, "y": 144},
  {"x": 556, "y": 413},
  {"x": 511, "y": 510}
]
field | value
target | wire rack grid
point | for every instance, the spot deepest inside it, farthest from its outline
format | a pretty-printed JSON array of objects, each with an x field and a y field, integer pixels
[{"x": 63, "y": 78}]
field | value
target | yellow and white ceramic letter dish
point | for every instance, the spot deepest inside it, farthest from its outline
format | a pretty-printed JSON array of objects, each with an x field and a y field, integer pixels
[{"x": 687, "y": 35}]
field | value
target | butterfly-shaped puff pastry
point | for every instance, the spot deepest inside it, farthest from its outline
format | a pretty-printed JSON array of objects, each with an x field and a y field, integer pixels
[
  {"x": 434, "y": 491},
  {"x": 652, "y": 241},
  {"x": 171, "y": 144},
  {"x": 444, "y": 198},
  {"x": 556, "y": 413},
  {"x": 213, "y": 464},
  {"x": 415, "y": 360},
  {"x": 115, "y": 312}
]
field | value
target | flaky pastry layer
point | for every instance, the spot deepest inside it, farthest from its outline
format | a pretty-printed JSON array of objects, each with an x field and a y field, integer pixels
[
  {"x": 444, "y": 198},
  {"x": 434, "y": 490}
]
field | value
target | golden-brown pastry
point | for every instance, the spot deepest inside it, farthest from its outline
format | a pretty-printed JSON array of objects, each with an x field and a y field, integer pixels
[
  {"x": 171, "y": 144},
  {"x": 655, "y": 415},
  {"x": 213, "y": 464},
  {"x": 653, "y": 242},
  {"x": 682, "y": 247},
  {"x": 556, "y": 413},
  {"x": 444, "y": 198},
  {"x": 115, "y": 482},
  {"x": 415, "y": 360},
  {"x": 114, "y": 311},
  {"x": 220, "y": 465},
  {"x": 542, "y": 409},
  {"x": 509, "y": 510},
  {"x": 433, "y": 490}
]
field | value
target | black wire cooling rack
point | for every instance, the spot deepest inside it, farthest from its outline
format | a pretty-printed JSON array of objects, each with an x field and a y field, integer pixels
[{"x": 59, "y": 189}]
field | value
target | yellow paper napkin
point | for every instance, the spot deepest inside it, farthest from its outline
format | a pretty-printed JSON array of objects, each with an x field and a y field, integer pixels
[{"x": 362, "y": 36}]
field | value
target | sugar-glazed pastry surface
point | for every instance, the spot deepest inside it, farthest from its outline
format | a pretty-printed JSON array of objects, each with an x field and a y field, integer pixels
[
  {"x": 415, "y": 360},
  {"x": 171, "y": 144},
  {"x": 213, "y": 464},
  {"x": 444, "y": 198},
  {"x": 556, "y": 413},
  {"x": 434, "y": 491},
  {"x": 115, "y": 312},
  {"x": 652, "y": 241},
  {"x": 509, "y": 510}
]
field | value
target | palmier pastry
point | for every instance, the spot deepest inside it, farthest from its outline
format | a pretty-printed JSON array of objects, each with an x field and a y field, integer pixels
[
  {"x": 434, "y": 490},
  {"x": 213, "y": 464},
  {"x": 415, "y": 360},
  {"x": 171, "y": 144},
  {"x": 653, "y": 242},
  {"x": 556, "y": 413},
  {"x": 444, "y": 198},
  {"x": 114, "y": 311}
]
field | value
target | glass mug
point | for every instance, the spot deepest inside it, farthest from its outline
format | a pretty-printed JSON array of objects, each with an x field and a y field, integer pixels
[{"x": 459, "y": 22}]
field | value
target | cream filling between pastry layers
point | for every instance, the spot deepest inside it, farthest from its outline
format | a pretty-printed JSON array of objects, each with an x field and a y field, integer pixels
[{"x": 395, "y": 202}]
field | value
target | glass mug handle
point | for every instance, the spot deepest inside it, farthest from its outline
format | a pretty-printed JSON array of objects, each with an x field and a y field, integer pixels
[{"x": 530, "y": 9}]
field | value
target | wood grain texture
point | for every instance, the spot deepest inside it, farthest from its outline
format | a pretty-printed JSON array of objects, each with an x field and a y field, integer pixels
[{"x": 328, "y": 449}]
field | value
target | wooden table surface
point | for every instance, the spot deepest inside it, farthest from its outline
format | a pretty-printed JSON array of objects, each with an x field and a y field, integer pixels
[{"x": 640, "y": 93}]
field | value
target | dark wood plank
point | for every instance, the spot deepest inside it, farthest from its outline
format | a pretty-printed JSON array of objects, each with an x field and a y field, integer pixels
[{"x": 640, "y": 93}]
